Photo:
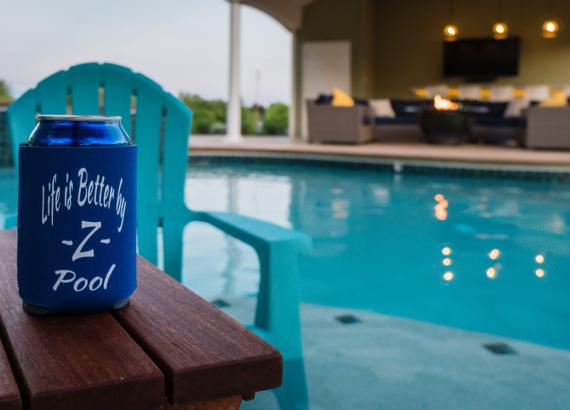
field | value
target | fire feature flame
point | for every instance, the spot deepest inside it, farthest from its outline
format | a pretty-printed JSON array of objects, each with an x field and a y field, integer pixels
[{"x": 444, "y": 104}]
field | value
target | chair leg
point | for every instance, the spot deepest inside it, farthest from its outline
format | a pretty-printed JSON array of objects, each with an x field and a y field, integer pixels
[
  {"x": 147, "y": 240},
  {"x": 278, "y": 317},
  {"x": 277, "y": 310},
  {"x": 293, "y": 395},
  {"x": 173, "y": 241}
]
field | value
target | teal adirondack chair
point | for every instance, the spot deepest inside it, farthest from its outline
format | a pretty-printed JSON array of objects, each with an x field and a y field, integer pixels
[{"x": 158, "y": 118}]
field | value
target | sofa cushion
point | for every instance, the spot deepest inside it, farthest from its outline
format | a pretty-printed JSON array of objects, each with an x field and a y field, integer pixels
[
  {"x": 361, "y": 101},
  {"x": 557, "y": 99},
  {"x": 492, "y": 121},
  {"x": 409, "y": 107},
  {"x": 324, "y": 99},
  {"x": 485, "y": 108},
  {"x": 382, "y": 108},
  {"x": 515, "y": 107},
  {"x": 402, "y": 120}
]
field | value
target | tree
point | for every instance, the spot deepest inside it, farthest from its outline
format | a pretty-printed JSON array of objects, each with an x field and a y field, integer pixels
[
  {"x": 5, "y": 95},
  {"x": 276, "y": 119},
  {"x": 207, "y": 113},
  {"x": 204, "y": 121},
  {"x": 248, "y": 121},
  {"x": 210, "y": 115}
]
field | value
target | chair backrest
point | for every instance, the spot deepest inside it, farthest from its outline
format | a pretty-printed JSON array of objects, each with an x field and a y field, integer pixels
[{"x": 158, "y": 122}]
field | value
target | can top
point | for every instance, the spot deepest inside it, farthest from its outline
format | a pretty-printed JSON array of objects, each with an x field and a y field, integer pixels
[
  {"x": 82, "y": 118},
  {"x": 78, "y": 131}
]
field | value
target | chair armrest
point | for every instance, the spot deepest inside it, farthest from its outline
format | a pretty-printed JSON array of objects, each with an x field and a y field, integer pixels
[
  {"x": 254, "y": 232},
  {"x": 277, "y": 311}
]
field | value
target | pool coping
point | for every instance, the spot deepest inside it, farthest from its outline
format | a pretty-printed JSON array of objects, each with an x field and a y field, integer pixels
[
  {"x": 474, "y": 157},
  {"x": 398, "y": 164}
]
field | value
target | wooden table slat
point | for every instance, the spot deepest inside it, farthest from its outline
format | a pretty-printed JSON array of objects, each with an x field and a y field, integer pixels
[
  {"x": 204, "y": 354},
  {"x": 73, "y": 362},
  {"x": 9, "y": 394}
]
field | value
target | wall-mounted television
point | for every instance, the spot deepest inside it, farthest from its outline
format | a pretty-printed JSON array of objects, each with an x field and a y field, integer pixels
[{"x": 481, "y": 58}]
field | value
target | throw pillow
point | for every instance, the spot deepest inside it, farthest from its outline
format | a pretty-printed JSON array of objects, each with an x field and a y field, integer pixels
[
  {"x": 382, "y": 108},
  {"x": 341, "y": 99},
  {"x": 324, "y": 99},
  {"x": 515, "y": 107},
  {"x": 557, "y": 99}
]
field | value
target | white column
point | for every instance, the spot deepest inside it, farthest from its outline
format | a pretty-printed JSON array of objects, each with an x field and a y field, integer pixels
[
  {"x": 234, "y": 104},
  {"x": 293, "y": 90}
]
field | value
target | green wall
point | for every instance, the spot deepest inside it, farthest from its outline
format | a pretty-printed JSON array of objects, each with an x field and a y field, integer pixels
[{"x": 397, "y": 44}]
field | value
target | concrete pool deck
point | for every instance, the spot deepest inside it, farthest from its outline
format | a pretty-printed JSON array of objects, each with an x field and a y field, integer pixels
[
  {"x": 384, "y": 362},
  {"x": 501, "y": 156}
]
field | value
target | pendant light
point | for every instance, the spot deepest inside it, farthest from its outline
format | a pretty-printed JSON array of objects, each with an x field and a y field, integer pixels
[
  {"x": 451, "y": 30},
  {"x": 500, "y": 27},
  {"x": 550, "y": 27}
]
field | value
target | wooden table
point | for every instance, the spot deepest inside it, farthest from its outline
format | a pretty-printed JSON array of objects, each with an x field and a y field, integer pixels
[{"x": 168, "y": 349}]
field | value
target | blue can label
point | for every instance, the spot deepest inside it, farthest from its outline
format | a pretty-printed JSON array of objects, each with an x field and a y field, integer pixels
[{"x": 77, "y": 226}]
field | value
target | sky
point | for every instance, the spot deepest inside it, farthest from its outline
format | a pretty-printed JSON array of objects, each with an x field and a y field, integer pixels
[{"x": 181, "y": 44}]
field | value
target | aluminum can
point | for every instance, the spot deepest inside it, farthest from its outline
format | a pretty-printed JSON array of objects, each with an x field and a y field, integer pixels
[{"x": 76, "y": 215}]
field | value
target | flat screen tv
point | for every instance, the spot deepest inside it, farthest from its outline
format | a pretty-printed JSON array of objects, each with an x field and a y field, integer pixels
[{"x": 483, "y": 58}]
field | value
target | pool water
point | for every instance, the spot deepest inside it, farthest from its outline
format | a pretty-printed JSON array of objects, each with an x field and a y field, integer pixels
[{"x": 483, "y": 254}]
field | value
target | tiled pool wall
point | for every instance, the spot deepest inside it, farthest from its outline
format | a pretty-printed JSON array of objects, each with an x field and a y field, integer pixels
[{"x": 518, "y": 172}]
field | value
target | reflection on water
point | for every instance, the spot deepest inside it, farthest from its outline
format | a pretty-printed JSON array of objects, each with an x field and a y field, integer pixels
[
  {"x": 494, "y": 254},
  {"x": 448, "y": 276},
  {"x": 440, "y": 208},
  {"x": 480, "y": 264}
]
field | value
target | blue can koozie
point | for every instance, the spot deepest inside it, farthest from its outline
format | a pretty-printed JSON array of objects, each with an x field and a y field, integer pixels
[{"x": 77, "y": 215}]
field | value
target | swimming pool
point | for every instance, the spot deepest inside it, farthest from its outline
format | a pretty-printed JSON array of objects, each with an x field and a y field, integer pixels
[
  {"x": 426, "y": 267},
  {"x": 483, "y": 254}
]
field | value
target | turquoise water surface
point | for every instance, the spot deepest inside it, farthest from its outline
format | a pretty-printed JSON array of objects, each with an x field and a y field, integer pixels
[
  {"x": 478, "y": 253},
  {"x": 381, "y": 241}
]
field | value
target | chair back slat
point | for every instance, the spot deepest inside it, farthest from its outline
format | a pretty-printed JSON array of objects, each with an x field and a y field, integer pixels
[
  {"x": 84, "y": 83},
  {"x": 148, "y": 125},
  {"x": 21, "y": 120},
  {"x": 52, "y": 94},
  {"x": 177, "y": 126},
  {"x": 118, "y": 92}
]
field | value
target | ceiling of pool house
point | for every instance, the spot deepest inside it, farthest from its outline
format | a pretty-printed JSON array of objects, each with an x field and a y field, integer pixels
[
  {"x": 396, "y": 45},
  {"x": 288, "y": 12}
]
